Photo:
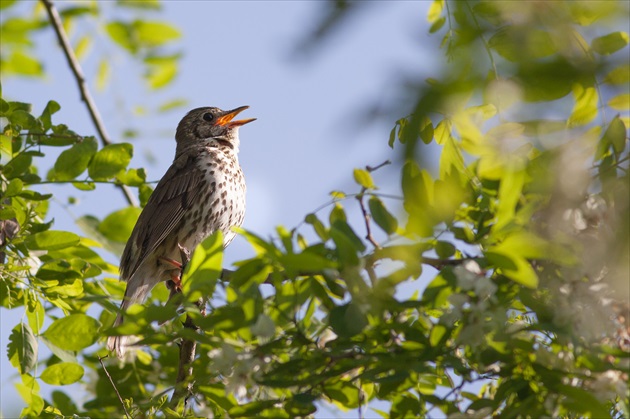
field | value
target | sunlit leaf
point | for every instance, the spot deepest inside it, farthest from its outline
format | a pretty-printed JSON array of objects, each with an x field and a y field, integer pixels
[
  {"x": 608, "y": 44},
  {"x": 110, "y": 160},
  {"x": 62, "y": 374},
  {"x": 52, "y": 240},
  {"x": 74, "y": 332},
  {"x": 620, "y": 102},
  {"x": 363, "y": 178},
  {"x": 73, "y": 161}
]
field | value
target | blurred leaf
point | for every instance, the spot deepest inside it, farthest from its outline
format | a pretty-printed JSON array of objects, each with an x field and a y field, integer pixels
[
  {"x": 154, "y": 34},
  {"x": 172, "y": 104},
  {"x": 161, "y": 74},
  {"x": 83, "y": 46},
  {"x": 110, "y": 161},
  {"x": 22, "y": 348},
  {"x": 121, "y": 33},
  {"x": 73, "y": 161},
  {"x": 62, "y": 374},
  {"x": 51, "y": 240},
  {"x": 364, "y": 178},
  {"x": 102, "y": 75},
  {"x": 620, "y": 102},
  {"x": 22, "y": 64},
  {"x": 383, "y": 218},
  {"x": 118, "y": 225},
  {"x": 347, "y": 320},
  {"x": 618, "y": 75},
  {"x": 608, "y": 44},
  {"x": 74, "y": 332},
  {"x": 586, "y": 103},
  {"x": 435, "y": 11},
  {"x": 614, "y": 136}
]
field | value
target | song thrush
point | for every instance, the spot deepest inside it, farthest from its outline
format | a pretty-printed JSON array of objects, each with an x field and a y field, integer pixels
[{"x": 203, "y": 191}]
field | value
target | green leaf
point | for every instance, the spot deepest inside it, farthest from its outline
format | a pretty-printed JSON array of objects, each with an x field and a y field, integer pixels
[
  {"x": 445, "y": 249},
  {"x": 20, "y": 63},
  {"x": 510, "y": 191},
  {"x": 318, "y": 226},
  {"x": 22, "y": 348},
  {"x": 14, "y": 187},
  {"x": 172, "y": 104},
  {"x": 74, "y": 332},
  {"x": 586, "y": 103},
  {"x": 435, "y": 11},
  {"x": 204, "y": 268},
  {"x": 118, "y": 225},
  {"x": 51, "y": 240},
  {"x": 383, "y": 218},
  {"x": 614, "y": 136},
  {"x": 514, "y": 267},
  {"x": 153, "y": 34},
  {"x": 51, "y": 108},
  {"x": 618, "y": 75},
  {"x": 110, "y": 160},
  {"x": 305, "y": 262},
  {"x": 121, "y": 33},
  {"x": 620, "y": 102},
  {"x": 364, "y": 178},
  {"x": 102, "y": 75},
  {"x": 62, "y": 374},
  {"x": 160, "y": 75},
  {"x": 73, "y": 161},
  {"x": 608, "y": 44},
  {"x": 133, "y": 177},
  {"x": 24, "y": 119},
  {"x": 347, "y": 320}
]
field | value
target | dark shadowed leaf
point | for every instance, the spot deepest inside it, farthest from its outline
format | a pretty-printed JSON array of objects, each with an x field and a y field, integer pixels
[{"x": 22, "y": 348}]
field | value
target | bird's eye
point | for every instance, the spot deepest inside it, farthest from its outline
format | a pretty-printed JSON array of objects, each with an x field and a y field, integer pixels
[{"x": 208, "y": 117}]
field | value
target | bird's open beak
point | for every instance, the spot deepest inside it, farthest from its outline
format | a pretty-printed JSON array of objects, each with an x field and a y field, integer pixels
[{"x": 226, "y": 120}]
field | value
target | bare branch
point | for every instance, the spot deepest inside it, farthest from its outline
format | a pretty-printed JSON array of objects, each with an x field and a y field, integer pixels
[
  {"x": 55, "y": 21},
  {"x": 100, "y": 359}
]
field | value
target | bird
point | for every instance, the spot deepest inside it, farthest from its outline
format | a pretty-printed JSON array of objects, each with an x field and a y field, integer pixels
[{"x": 201, "y": 192}]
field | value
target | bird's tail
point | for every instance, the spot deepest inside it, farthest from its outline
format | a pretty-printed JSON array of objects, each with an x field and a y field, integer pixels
[{"x": 135, "y": 293}]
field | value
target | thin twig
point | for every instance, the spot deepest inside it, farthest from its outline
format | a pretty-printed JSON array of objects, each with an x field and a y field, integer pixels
[
  {"x": 100, "y": 359},
  {"x": 55, "y": 21}
]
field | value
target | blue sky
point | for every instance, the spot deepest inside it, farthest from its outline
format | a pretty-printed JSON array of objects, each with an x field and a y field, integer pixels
[{"x": 311, "y": 130}]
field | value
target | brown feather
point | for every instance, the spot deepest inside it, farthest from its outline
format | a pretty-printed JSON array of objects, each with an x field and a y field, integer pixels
[{"x": 169, "y": 201}]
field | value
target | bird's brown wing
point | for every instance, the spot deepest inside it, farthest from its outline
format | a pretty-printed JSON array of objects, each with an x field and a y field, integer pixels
[{"x": 172, "y": 197}]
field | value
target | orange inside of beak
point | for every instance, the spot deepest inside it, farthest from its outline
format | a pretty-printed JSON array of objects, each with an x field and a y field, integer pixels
[{"x": 227, "y": 118}]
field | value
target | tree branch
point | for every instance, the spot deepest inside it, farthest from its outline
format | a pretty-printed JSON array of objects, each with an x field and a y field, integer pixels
[{"x": 55, "y": 21}]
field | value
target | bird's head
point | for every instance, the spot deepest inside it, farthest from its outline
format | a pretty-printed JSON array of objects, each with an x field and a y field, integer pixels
[{"x": 208, "y": 124}]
